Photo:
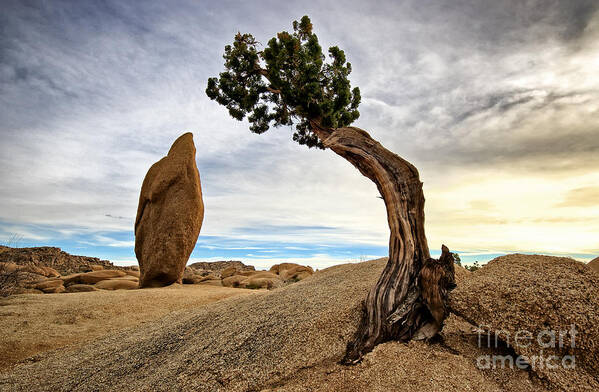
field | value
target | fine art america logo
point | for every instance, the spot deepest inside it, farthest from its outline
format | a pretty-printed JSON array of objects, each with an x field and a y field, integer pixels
[{"x": 552, "y": 341}]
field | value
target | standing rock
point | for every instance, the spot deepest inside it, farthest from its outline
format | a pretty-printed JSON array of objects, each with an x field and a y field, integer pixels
[{"x": 169, "y": 215}]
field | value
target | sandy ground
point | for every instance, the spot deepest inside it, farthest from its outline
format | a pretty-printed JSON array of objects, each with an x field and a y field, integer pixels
[{"x": 35, "y": 323}]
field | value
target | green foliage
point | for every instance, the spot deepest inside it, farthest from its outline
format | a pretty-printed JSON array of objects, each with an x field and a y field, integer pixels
[
  {"x": 474, "y": 267},
  {"x": 457, "y": 259},
  {"x": 287, "y": 83}
]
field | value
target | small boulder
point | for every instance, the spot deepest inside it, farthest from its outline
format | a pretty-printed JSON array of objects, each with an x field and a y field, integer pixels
[
  {"x": 48, "y": 284},
  {"x": 71, "y": 279},
  {"x": 8, "y": 268},
  {"x": 263, "y": 283},
  {"x": 117, "y": 284},
  {"x": 96, "y": 267},
  {"x": 263, "y": 274},
  {"x": 50, "y": 272},
  {"x": 54, "y": 290},
  {"x": 169, "y": 215},
  {"x": 97, "y": 276},
  {"x": 235, "y": 281},
  {"x": 291, "y": 271},
  {"x": 80, "y": 288},
  {"x": 229, "y": 271}
]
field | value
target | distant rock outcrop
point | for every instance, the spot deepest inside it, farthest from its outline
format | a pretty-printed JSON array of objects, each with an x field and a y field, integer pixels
[
  {"x": 56, "y": 260},
  {"x": 169, "y": 215},
  {"x": 218, "y": 266}
]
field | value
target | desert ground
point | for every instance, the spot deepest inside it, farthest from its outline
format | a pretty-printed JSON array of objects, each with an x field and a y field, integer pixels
[
  {"x": 206, "y": 338},
  {"x": 32, "y": 324}
]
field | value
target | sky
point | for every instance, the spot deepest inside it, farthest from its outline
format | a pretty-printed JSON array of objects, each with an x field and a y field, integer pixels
[{"x": 495, "y": 102}]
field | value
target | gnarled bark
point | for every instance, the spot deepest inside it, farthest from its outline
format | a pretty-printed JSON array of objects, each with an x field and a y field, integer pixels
[{"x": 409, "y": 299}]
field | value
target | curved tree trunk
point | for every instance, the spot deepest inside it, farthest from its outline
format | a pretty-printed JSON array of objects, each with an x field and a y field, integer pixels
[{"x": 409, "y": 299}]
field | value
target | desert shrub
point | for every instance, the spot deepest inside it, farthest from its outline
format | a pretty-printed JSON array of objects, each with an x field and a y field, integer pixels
[
  {"x": 9, "y": 280},
  {"x": 457, "y": 259},
  {"x": 252, "y": 286},
  {"x": 474, "y": 267}
]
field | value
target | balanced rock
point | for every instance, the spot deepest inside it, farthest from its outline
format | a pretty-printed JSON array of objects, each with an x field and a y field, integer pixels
[{"x": 169, "y": 215}]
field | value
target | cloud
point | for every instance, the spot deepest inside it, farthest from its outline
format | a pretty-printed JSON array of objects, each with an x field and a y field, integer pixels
[
  {"x": 581, "y": 197},
  {"x": 495, "y": 102}
]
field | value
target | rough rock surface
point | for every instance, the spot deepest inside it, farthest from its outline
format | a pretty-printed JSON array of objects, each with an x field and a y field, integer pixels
[
  {"x": 52, "y": 257},
  {"x": 169, "y": 215},
  {"x": 594, "y": 264},
  {"x": 543, "y": 295},
  {"x": 233, "y": 345},
  {"x": 283, "y": 340}
]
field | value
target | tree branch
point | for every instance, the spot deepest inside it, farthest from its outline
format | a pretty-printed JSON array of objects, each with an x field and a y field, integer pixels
[{"x": 320, "y": 131}]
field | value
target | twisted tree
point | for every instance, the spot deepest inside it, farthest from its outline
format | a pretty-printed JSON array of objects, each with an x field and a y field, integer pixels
[{"x": 290, "y": 82}]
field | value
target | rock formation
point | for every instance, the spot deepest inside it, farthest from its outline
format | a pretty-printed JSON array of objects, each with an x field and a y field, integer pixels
[
  {"x": 169, "y": 215},
  {"x": 56, "y": 260},
  {"x": 542, "y": 297},
  {"x": 218, "y": 266},
  {"x": 291, "y": 271}
]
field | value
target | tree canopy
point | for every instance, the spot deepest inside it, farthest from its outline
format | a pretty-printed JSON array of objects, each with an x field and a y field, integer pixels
[{"x": 289, "y": 82}]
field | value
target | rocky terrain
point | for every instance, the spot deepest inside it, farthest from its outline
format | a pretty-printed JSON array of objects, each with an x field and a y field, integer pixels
[
  {"x": 218, "y": 266},
  {"x": 34, "y": 324},
  {"x": 291, "y": 338},
  {"x": 32, "y": 275},
  {"x": 52, "y": 257},
  {"x": 594, "y": 264}
]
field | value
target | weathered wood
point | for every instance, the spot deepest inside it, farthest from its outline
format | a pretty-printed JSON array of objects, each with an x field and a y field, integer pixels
[{"x": 409, "y": 298}]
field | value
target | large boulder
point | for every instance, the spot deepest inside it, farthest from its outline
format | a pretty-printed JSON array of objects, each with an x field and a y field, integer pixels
[
  {"x": 169, "y": 215},
  {"x": 542, "y": 306},
  {"x": 291, "y": 271}
]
